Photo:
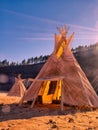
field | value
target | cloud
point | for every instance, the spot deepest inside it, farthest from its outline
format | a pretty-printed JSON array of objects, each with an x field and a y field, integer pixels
[
  {"x": 37, "y": 39},
  {"x": 87, "y": 38},
  {"x": 96, "y": 25},
  {"x": 40, "y": 34},
  {"x": 51, "y": 21},
  {"x": 32, "y": 17},
  {"x": 81, "y": 32}
]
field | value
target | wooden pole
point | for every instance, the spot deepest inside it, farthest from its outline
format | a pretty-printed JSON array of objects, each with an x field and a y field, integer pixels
[
  {"x": 35, "y": 98},
  {"x": 33, "y": 102},
  {"x": 21, "y": 101},
  {"x": 62, "y": 107}
]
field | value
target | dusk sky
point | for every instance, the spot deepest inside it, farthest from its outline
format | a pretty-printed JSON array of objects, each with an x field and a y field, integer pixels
[{"x": 27, "y": 27}]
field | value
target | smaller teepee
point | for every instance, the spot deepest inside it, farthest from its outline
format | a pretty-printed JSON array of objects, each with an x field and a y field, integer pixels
[{"x": 18, "y": 88}]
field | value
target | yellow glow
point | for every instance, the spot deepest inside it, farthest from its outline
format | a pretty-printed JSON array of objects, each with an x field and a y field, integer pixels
[
  {"x": 60, "y": 50},
  {"x": 47, "y": 98},
  {"x": 57, "y": 94}
]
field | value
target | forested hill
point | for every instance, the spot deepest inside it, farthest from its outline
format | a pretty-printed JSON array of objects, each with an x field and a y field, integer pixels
[
  {"x": 26, "y": 71},
  {"x": 87, "y": 58}
]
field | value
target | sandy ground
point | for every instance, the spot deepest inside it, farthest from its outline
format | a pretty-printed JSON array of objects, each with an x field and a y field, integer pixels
[{"x": 43, "y": 117}]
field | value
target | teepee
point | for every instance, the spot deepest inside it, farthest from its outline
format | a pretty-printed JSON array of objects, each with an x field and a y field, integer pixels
[
  {"x": 18, "y": 88},
  {"x": 95, "y": 84},
  {"x": 62, "y": 68}
]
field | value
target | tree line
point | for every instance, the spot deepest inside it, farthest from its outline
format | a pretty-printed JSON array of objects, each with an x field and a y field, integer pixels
[
  {"x": 32, "y": 60},
  {"x": 41, "y": 59}
]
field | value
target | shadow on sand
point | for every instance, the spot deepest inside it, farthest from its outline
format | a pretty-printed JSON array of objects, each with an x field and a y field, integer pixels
[{"x": 25, "y": 112}]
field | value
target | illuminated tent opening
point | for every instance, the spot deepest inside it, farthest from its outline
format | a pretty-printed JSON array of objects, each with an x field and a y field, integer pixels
[{"x": 61, "y": 69}]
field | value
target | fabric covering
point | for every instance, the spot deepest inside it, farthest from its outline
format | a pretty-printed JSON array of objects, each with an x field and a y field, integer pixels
[
  {"x": 76, "y": 89},
  {"x": 17, "y": 89}
]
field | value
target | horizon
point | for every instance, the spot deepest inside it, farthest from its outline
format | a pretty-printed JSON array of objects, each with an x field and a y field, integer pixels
[
  {"x": 74, "y": 50},
  {"x": 27, "y": 28}
]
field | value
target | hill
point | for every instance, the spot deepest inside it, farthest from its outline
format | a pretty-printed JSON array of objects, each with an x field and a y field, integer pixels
[{"x": 87, "y": 58}]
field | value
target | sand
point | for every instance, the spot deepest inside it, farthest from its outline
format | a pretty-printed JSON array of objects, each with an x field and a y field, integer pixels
[{"x": 44, "y": 117}]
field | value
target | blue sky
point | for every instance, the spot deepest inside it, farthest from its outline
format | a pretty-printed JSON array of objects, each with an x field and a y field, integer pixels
[{"x": 27, "y": 27}]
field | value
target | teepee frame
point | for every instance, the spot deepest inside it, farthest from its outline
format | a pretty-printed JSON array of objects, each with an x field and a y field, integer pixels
[
  {"x": 18, "y": 88},
  {"x": 76, "y": 89}
]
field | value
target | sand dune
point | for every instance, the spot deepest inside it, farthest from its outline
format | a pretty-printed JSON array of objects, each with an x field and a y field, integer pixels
[{"x": 43, "y": 117}]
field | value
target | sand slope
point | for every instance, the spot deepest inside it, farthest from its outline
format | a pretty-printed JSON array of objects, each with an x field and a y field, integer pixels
[{"x": 13, "y": 117}]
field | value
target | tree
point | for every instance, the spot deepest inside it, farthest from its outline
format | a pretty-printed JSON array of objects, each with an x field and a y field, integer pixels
[
  {"x": 40, "y": 59},
  {"x": 32, "y": 60},
  {"x": 23, "y": 62},
  {"x": 28, "y": 61},
  {"x": 44, "y": 58},
  {"x": 5, "y": 62},
  {"x": 35, "y": 60},
  {"x": 13, "y": 63}
]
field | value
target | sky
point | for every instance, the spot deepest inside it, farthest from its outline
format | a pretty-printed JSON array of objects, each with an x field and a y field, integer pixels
[{"x": 27, "y": 27}]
